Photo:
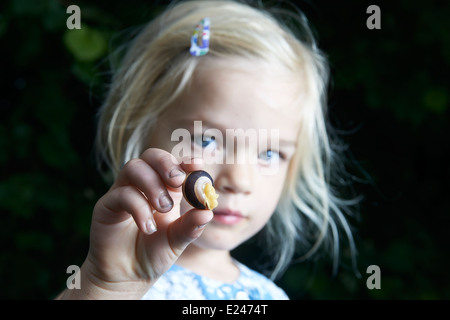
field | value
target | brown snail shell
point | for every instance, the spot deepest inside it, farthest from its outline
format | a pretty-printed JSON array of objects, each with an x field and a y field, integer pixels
[{"x": 194, "y": 190}]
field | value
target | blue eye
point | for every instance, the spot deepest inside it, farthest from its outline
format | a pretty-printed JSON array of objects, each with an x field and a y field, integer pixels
[
  {"x": 208, "y": 142},
  {"x": 269, "y": 156},
  {"x": 205, "y": 142}
]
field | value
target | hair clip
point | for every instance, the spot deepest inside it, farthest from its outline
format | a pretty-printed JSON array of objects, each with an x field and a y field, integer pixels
[{"x": 200, "y": 39}]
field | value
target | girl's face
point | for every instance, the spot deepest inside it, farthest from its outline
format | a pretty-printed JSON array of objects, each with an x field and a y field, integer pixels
[{"x": 236, "y": 100}]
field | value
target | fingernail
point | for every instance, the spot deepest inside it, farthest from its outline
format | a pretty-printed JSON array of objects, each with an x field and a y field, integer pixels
[
  {"x": 151, "y": 226},
  {"x": 196, "y": 160},
  {"x": 165, "y": 201},
  {"x": 201, "y": 226},
  {"x": 175, "y": 173}
]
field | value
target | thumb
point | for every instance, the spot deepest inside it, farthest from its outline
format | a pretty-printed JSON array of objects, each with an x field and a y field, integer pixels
[{"x": 187, "y": 228}]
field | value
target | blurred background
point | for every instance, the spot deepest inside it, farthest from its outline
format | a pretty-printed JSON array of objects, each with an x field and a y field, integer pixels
[{"x": 389, "y": 98}]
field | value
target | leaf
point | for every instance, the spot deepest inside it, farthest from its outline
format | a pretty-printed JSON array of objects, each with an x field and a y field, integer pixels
[
  {"x": 57, "y": 152},
  {"x": 86, "y": 44},
  {"x": 34, "y": 240},
  {"x": 436, "y": 100}
]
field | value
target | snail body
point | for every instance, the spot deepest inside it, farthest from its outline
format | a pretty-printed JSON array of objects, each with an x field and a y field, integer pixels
[{"x": 199, "y": 192}]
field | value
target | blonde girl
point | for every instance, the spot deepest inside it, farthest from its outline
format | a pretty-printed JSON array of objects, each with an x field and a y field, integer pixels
[{"x": 248, "y": 72}]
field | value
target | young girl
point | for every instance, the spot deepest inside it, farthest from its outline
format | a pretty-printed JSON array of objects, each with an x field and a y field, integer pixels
[{"x": 256, "y": 92}]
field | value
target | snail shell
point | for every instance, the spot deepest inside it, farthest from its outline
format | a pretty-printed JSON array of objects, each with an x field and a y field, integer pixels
[{"x": 194, "y": 187}]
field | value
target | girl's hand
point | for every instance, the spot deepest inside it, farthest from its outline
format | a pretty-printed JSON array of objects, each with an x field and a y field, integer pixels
[{"x": 126, "y": 254}]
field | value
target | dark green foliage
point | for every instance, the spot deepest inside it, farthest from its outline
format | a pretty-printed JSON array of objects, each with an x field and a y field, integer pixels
[{"x": 389, "y": 96}]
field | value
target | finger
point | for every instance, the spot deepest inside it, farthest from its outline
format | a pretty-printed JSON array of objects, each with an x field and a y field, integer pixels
[
  {"x": 138, "y": 173},
  {"x": 166, "y": 165},
  {"x": 189, "y": 164},
  {"x": 187, "y": 228},
  {"x": 118, "y": 204}
]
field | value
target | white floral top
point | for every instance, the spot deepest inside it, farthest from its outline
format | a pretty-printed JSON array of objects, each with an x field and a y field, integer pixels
[{"x": 179, "y": 283}]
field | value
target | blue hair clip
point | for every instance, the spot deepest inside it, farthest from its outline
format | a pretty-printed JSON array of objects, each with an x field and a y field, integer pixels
[{"x": 200, "y": 38}]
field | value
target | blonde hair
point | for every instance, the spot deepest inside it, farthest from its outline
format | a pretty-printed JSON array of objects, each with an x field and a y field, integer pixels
[{"x": 158, "y": 67}]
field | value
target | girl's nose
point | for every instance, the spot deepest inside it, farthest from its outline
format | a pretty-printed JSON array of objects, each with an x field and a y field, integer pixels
[{"x": 234, "y": 178}]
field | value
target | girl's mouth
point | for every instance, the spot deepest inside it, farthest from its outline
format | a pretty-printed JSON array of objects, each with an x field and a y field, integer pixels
[{"x": 227, "y": 216}]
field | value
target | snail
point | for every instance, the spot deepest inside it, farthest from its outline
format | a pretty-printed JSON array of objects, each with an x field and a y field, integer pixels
[{"x": 198, "y": 190}]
